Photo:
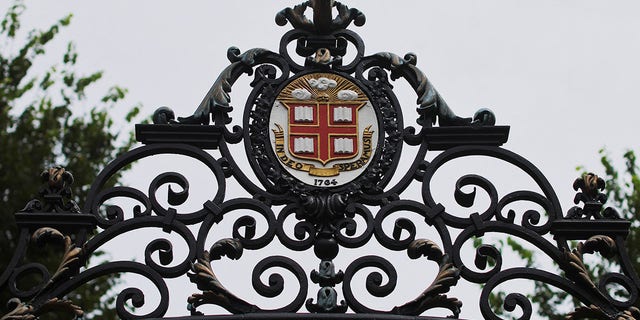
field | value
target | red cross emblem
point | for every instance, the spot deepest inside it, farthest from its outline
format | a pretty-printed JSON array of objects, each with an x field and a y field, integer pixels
[{"x": 323, "y": 131}]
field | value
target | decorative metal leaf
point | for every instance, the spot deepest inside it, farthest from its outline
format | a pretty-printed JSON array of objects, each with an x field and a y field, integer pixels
[
  {"x": 226, "y": 300},
  {"x": 584, "y": 312},
  {"x": 576, "y": 270},
  {"x": 433, "y": 296},
  {"x": 424, "y": 247},
  {"x": 295, "y": 16},
  {"x": 600, "y": 243},
  {"x": 24, "y": 311},
  {"x": 43, "y": 235},
  {"x": 347, "y": 15},
  {"x": 218, "y": 95},
  {"x": 34, "y": 205},
  {"x": 429, "y": 100},
  {"x": 70, "y": 261},
  {"x": 21, "y": 311},
  {"x": 590, "y": 186},
  {"x": 448, "y": 276},
  {"x": 207, "y": 281},
  {"x": 595, "y": 312},
  {"x": 56, "y": 304},
  {"x": 231, "y": 248},
  {"x": 55, "y": 194},
  {"x": 632, "y": 313},
  {"x": 203, "y": 275}
]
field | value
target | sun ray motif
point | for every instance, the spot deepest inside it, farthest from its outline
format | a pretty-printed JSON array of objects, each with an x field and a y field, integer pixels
[{"x": 332, "y": 92}]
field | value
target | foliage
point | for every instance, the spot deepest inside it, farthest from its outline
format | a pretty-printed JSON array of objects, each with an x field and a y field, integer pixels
[
  {"x": 46, "y": 119},
  {"x": 623, "y": 193}
]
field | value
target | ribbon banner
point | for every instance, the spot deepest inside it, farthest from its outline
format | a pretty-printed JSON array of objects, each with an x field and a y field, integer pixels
[{"x": 367, "y": 150}]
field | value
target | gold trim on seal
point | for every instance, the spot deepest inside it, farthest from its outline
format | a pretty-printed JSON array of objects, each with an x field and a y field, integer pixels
[{"x": 367, "y": 151}]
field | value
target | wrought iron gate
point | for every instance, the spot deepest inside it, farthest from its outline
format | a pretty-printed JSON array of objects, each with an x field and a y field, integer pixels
[{"x": 324, "y": 139}]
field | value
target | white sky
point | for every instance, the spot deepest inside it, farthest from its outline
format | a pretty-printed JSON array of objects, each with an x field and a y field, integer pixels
[{"x": 562, "y": 74}]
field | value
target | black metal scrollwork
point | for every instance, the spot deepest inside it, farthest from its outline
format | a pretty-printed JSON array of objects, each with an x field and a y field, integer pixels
[{"x": 315, "y": 211}]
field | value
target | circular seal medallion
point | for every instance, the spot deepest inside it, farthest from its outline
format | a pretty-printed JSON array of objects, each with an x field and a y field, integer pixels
[{"x": 324, "y": 129}]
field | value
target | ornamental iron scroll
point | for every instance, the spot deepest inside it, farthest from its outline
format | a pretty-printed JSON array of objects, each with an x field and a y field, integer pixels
[{"x": 324, "y": 142}]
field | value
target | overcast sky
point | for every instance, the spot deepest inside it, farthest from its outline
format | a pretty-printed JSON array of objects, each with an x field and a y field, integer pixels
[{"x": 562, "y": 74}]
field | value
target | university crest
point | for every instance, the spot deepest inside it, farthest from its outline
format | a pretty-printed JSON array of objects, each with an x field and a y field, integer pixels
[{"x": 324, "y": 129}]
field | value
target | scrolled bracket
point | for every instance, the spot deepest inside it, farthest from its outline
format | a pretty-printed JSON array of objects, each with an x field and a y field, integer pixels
[
  {"x": 71, "y": 260},
  {"x": 217, "y": 101},
  {"x": 574, "y": 263},
  {"x": 45, "y": 299},
  {"x": 434, "y": 296},
  {"x": 207, "y": 281},
  {"x": 602, "y": 306},
  {"x": 431, "y": 106}
]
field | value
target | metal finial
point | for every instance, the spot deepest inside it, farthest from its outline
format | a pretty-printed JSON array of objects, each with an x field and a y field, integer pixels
[
  {"x": 322, "y": 15},
  {"x": 324, "y": 21}
]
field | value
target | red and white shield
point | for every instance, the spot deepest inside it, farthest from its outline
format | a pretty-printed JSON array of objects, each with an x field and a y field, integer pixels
[{"x": 323, "y": 129}]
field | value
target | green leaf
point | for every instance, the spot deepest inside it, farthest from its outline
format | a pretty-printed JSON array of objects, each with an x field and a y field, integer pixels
[
  {"x": 42, "y": 131},
  {"x": 115, "y": 94},
  {"x": 11, "y": 22},
  {"x": 133, "y": 113},
  {"x": 87, "y": 81}
]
